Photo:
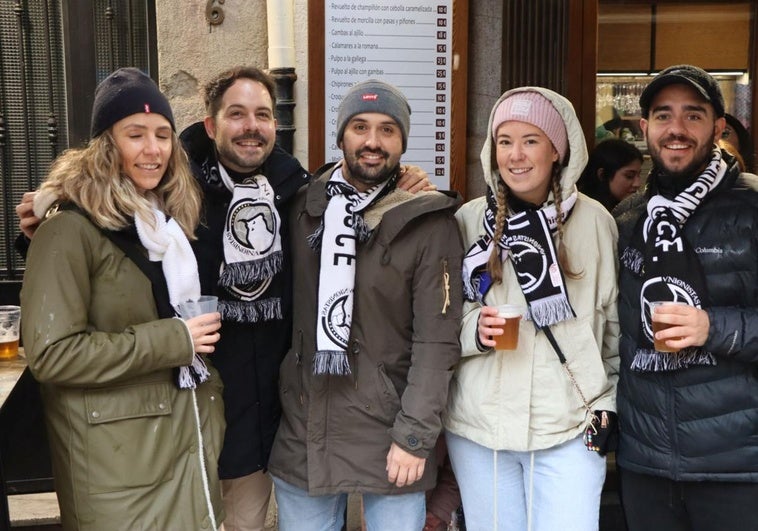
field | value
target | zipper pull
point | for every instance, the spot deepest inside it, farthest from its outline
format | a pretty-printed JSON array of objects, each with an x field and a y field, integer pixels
[{"x": 445, "y": 287}]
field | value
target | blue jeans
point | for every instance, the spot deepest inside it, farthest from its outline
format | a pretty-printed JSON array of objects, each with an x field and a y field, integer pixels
[
  {"x": 544, "y": 490},
  {"x": 297, "y": 511}
]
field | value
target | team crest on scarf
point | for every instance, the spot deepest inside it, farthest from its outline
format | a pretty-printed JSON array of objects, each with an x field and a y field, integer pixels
[
  {"x": 252, "y": 251},
  {"x": 336, "y": 316},
  {"x": 664, "y": 288},
  {"x": 526, "y": 250},
  {"x": 252, "y": 226}
]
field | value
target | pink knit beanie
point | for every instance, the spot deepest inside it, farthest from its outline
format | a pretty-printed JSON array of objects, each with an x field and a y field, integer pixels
[{"x": 533, "y": 108}]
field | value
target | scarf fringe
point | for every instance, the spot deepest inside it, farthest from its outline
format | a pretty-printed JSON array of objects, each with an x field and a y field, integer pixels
[
  {"x": 550, "y": 310},
  {"x": 193, "y": 375},
  {"x": 471, "y": 289},
  {"x": 362, "y": 232},
  {"x": 331, "y": 362},
  {"x": 250, "y": 312},
  {"x": 241, "y": 273},
  {"x": 633, "y": 260},
  {"x": 648, "y": 360},
  {"x": 314, "y": 240}
]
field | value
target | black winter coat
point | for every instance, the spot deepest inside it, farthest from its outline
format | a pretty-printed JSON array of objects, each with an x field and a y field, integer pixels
[
  {"x": 248, "y": 355},
  {"x": 699, "y": 423}
]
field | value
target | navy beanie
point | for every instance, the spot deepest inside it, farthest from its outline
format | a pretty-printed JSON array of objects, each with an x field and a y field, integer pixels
[
  {"x": 125, "y": 92},
  {"x": 375, "y": 96}
]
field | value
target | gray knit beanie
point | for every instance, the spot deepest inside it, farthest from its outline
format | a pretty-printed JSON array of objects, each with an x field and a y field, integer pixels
[
  {"x": 125, "y": 92},
  {"x": 375, "y": 96}
]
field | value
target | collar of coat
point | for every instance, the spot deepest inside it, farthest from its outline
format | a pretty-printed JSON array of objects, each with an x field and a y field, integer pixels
[{"x": 405, "y": 206}]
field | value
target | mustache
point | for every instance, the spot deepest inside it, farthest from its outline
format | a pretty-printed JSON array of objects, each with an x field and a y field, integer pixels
[
  {"x": 376, "y": 151},
  {"x": 251, "y": 136},
  {"x": 675, "y": 138}
]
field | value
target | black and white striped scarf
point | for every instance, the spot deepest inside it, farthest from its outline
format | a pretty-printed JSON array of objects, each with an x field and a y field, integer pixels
[
  {"x": 252, "y": 251},
  {"x": 669, "y": 267},
  {"x": 527, "y": 242},
  {"x": 342, "y": 227}
]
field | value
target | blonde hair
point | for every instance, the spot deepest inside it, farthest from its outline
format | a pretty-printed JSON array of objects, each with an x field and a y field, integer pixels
[
  {"x": 92, "y": 178},
  {"x": 495, "y": 264}
]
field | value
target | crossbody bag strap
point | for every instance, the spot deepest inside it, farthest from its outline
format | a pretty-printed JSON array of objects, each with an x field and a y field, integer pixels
[{"x": 562, "y": 359}]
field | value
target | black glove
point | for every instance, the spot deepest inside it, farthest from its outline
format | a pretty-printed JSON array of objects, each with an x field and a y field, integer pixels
[{"x": 602, "y": 435}]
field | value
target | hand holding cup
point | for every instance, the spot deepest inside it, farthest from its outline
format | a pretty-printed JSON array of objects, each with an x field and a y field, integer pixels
[
  {"x": 498, "y": 326},
  {"x": 203, "y": 321},
  {"x": 677, "y": 325}
]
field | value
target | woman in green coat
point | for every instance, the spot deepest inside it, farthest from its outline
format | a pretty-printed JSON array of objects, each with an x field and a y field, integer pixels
[{"x": 133, "y": 409}]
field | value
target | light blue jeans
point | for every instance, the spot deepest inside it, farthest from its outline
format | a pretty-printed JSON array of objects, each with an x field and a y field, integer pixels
[
  {"x": 545, "y": 490},
  {"x": 297, "y": 511}
]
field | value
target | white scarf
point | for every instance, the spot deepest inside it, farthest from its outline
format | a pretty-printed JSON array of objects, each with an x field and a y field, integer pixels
[
  {"x": 252, "y": 250},
  {"x": 166, "y": 242},
  {"x": 337, "y": 272}
]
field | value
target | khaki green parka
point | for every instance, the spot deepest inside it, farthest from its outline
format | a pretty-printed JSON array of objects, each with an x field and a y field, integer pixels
[{"x": 124, "y": 439}]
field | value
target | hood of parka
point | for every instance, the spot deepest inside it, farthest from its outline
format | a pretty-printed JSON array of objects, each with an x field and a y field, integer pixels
[{"x": 577, "y": 147}]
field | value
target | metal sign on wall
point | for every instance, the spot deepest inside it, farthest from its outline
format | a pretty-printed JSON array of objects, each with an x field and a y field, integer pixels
[{"x": 406, "y": 44}]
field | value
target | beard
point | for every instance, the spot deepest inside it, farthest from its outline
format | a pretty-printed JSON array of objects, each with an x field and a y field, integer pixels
[
  {"x": 228, "y": 155},
  {"x": 370, "y": 175},
  {"x": 689, "y": 172}
]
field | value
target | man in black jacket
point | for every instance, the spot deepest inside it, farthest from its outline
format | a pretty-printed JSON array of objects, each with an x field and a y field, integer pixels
[
  {"x": 243, "y": 257},
  {"x": 688, "y": 453}
]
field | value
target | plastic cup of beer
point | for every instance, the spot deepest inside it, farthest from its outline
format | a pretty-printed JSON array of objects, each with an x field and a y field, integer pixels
[
  {"x": 205, "y": 304},
  {"x": 512, "y": 314},
  {"x": 10, "y": 321},
  {"x": 660, "y": 344}
]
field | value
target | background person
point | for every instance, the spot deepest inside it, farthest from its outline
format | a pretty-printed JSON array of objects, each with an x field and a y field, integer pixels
[
  {"x": 612, "y": 172},
  {"x": 736, "y": 135},
  {"x": 688, "y": 452},
  {"x": 515, "y": 419},
  {"x": 134, "y": 415}
]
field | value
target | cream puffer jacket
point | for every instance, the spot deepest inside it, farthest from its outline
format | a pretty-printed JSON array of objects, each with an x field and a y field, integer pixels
[{"x": 523, "y": 400}]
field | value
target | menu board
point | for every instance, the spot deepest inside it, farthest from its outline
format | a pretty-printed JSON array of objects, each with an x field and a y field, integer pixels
[{"x": 407, "y": 44}]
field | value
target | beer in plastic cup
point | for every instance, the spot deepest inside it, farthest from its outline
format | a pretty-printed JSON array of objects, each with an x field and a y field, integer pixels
[
  {"x": 10, "y": 321},
  {"x": 660, "y": 344},
  {"x": 512, "y": 314}
]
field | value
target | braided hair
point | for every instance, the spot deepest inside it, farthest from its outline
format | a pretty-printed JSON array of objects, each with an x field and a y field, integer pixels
[{"x": 495, "y": 264}]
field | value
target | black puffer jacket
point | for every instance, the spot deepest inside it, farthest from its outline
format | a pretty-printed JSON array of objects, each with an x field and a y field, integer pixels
[
  {"x": 249, "y": 354},
  {"x": 699, "y": 423}
]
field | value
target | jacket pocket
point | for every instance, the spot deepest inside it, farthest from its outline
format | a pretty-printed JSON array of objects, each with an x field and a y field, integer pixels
[
  {"x": 129, "y": 440},
  {"x": 388, "y": 399}
]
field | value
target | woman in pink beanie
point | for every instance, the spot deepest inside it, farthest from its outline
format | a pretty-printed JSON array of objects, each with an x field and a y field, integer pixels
[{"x": 528, "y": 428}]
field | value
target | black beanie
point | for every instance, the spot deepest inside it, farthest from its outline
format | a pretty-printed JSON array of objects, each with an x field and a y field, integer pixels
[{"x": 125, "y": 92}]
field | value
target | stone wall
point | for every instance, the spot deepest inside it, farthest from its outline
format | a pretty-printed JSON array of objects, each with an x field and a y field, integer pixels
[{"x": 191, "y": 51}]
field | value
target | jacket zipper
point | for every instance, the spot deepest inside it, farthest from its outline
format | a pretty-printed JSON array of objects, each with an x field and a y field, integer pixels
[{"x": 299, "y": 365}]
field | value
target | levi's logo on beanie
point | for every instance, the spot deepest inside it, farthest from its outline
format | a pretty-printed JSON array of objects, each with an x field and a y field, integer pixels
[{"x": 370, "y": 97}]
